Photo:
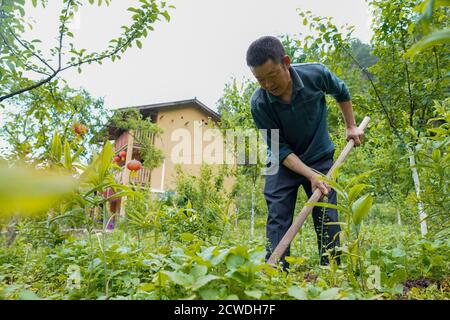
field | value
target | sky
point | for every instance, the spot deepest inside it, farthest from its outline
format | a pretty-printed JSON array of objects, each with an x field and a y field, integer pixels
[{"x": 194, "y": 55}]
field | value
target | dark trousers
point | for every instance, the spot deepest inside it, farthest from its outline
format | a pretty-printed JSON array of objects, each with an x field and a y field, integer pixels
[{"x": 280, "y": 191}]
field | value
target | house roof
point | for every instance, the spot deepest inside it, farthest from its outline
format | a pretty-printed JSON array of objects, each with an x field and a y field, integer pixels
[{"x": 150, "y": 109}]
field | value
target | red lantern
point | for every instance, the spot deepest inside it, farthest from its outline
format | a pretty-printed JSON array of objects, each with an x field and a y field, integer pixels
[
  {"x": 134, "y": 165},
  {"x": 123, "y": 155}
]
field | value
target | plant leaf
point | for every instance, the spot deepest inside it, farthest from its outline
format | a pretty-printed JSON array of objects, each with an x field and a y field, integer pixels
[{"x": 361, "y": 208}]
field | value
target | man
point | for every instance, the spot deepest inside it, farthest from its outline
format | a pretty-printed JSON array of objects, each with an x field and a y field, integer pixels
[{"x": 292, "y": 99}]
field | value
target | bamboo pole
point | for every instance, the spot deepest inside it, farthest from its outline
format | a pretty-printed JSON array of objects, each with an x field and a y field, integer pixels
[{"x": 316, "y": 196}]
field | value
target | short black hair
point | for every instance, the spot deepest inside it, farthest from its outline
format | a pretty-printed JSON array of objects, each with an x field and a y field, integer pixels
[{"x": 263, "y": 49}]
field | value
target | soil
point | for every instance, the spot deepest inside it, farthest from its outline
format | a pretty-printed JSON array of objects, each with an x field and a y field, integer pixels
[
  {"x": 416, "y": 283},
  {"x": 310, "y": 277}
]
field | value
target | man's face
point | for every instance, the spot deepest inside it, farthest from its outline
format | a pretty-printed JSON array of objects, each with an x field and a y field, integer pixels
[{"x": 273, "y": 77}]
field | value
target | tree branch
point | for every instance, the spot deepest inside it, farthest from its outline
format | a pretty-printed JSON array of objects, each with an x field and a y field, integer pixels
[
  {"x": 18, "y": 55},
  {"x": 31, "y": 51},
  {"x": 34, "y": 86},
  {"x": 367, "y": 74},
  {"x": 62, "y": 31},
  {"x": 104, "y": 56}
]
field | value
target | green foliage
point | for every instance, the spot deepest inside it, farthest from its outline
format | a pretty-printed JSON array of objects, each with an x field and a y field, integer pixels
[
  {"x": 430, "y": 39},
  {"x": 206, "y": 199},
  {"x": 434, "y": 167},
  {"x": 354, "y": 207},
  {"x": 144, "y": 132},
  {"x": 30, "y": 191},
  {"x": 30, "y": 126}
]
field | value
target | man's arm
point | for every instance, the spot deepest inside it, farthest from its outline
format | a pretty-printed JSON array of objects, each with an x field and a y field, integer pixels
[
  {"x": 352, "y": 130},
  {"x": 337, "y": 88},
  {"x": 293, "y": 163}
]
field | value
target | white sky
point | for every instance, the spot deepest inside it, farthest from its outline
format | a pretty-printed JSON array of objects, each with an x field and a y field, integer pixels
[{"x": 195, "y": 54}]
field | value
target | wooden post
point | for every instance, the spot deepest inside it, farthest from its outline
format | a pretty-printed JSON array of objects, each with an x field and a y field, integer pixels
[
  {"x": 126, "y": 172},
  {"x": 316, "y": 196}
]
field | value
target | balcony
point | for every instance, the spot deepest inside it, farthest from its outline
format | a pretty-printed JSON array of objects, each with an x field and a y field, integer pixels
[
  {"x": 142, "y": 177},
  {"x": 139, "y": 136}
]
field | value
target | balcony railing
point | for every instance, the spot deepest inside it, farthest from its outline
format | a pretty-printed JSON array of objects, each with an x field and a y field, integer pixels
[
  {"x": 142, "y": 177},
  {"x": 139, "y": 137}
]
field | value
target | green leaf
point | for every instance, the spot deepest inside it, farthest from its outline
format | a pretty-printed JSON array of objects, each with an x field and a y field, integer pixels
[
  {"x": 397, "y": 253},
  {"x": 67, "y": 156},
  {"x": 434, "y": 38},
  {"x": 359, "y": 177},
  {"x": 77, "y": 153},
  {"x": 121, "y": 194},
  {"x": 139, "y": 44},
  {"x": 355, "y": 191},
  {"x": 297, "y": 293},
  {"x": 198, "y": 271},
  {"x": 180, "y": 278},
  {"x": 28, "y": 295},
  {"x": 203, "y": 280},
  {"x": 219, "y": 257},
  {"x": 10, "y": 65},
  {"x": 234, "y": 261},
  {"x": 56, "y": 148},
  {"x": 186, "y": 236},
  {"x": 437, "y": 261},
  {"x": 329, "y": 294},
  {"x": 337, "y": 187},
  {"x": 105, "y": 159},
  {"x": 361, "y": 208},
  {"x": 166, "y": 15},
  {"x": 209, "y": 294},
  {"x": 436, "y": 155},
  {"x": 131, "y": 9},
  {"x": 255, "y": 294}
]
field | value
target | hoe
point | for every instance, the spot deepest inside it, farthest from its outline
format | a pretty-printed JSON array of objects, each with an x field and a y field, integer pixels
[{"x": 315, "y": 197}]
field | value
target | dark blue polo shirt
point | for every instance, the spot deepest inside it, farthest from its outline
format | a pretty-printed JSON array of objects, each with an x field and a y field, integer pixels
[{"x": 303, "y": 123}]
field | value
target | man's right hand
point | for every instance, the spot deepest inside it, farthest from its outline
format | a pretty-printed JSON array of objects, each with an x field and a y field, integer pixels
[
  {"x": 293, "y": 163},
  {"x": 316, "y": 183}
]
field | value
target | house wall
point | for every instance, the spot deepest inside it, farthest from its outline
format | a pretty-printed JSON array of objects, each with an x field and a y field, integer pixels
[{"x": 177, "y": 121}]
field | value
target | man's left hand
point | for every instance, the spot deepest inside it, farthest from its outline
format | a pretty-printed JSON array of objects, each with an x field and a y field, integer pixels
[{"x": 356, "y": 134}]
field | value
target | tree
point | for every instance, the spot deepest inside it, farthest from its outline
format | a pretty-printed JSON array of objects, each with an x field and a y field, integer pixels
[
  {"x": 30, "y": 127},
  {"x": 20, "y": 57},
  {"x": 408, "y": 87},
  {"x": 234, "y": 109}
]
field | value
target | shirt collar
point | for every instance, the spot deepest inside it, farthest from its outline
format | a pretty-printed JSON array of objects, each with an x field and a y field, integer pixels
[{"x": 297, "y": 85}]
